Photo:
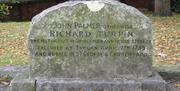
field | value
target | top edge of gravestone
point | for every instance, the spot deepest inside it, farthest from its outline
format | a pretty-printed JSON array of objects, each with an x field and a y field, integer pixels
[{"x": 129, "y": 9}]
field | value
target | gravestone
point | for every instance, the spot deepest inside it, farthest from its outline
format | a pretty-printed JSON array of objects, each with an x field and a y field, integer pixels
[
  {"x": 90, "y": 39},
  {"x": 99, "y": 45}
]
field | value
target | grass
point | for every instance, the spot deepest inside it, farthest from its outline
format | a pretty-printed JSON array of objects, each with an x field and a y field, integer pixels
[
  {"x": 13, "y": 36},
  {"x": 166, "y": 39},
  {"x": 13, "y": 43}
]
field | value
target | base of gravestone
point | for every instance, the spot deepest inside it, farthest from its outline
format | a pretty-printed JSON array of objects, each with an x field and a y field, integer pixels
[
  {"x": 155, "y": 83},
  {"x": 4, "y": 88}
]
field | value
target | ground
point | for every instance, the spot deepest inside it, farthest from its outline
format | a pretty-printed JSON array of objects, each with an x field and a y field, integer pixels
[
  {"x": 13, "y": 37},
  {"x": 13, "y": 44},
  {"x": 166, "y": 39}
]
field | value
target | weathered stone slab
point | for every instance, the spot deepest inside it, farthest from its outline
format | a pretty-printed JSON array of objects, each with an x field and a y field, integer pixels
[
  {"x": 4, "y": 88},
  {"x": 23, "y": 85},
  {"x": 11, "y": 71},
  {"x": 100, "y": 85},
  {"x": 58, "y": 84},
  {"x": 79, "y": 85},
  {"x": 90, "y": 40},
  {"x": 154, "y": 85}
]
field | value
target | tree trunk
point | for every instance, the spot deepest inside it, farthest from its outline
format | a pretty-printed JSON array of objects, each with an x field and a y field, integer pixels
[{"x": 163, "y": 7}]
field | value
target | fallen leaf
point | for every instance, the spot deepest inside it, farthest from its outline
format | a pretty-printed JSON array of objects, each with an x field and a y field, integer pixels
[{"x": 177, "y": 85}]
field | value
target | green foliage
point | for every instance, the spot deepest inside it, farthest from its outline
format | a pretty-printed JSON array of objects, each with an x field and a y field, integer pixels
[
  {"x": 4, "y": 9},
  {"x": 8, "y": 78}
]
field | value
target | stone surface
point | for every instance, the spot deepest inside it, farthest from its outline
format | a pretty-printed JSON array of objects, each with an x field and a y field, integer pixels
[
  {"x": 79, "y": 85},
  {"x": 120, "y": 84},
  {"x": 23, "y": 85},
  {"x": 90, "y": 40},
  {"x": 168, "y": 71},
  {"x": 154, "y": 83},
  {"x": 4, "y": 88},
  {"x": 11, "y": 71}
]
